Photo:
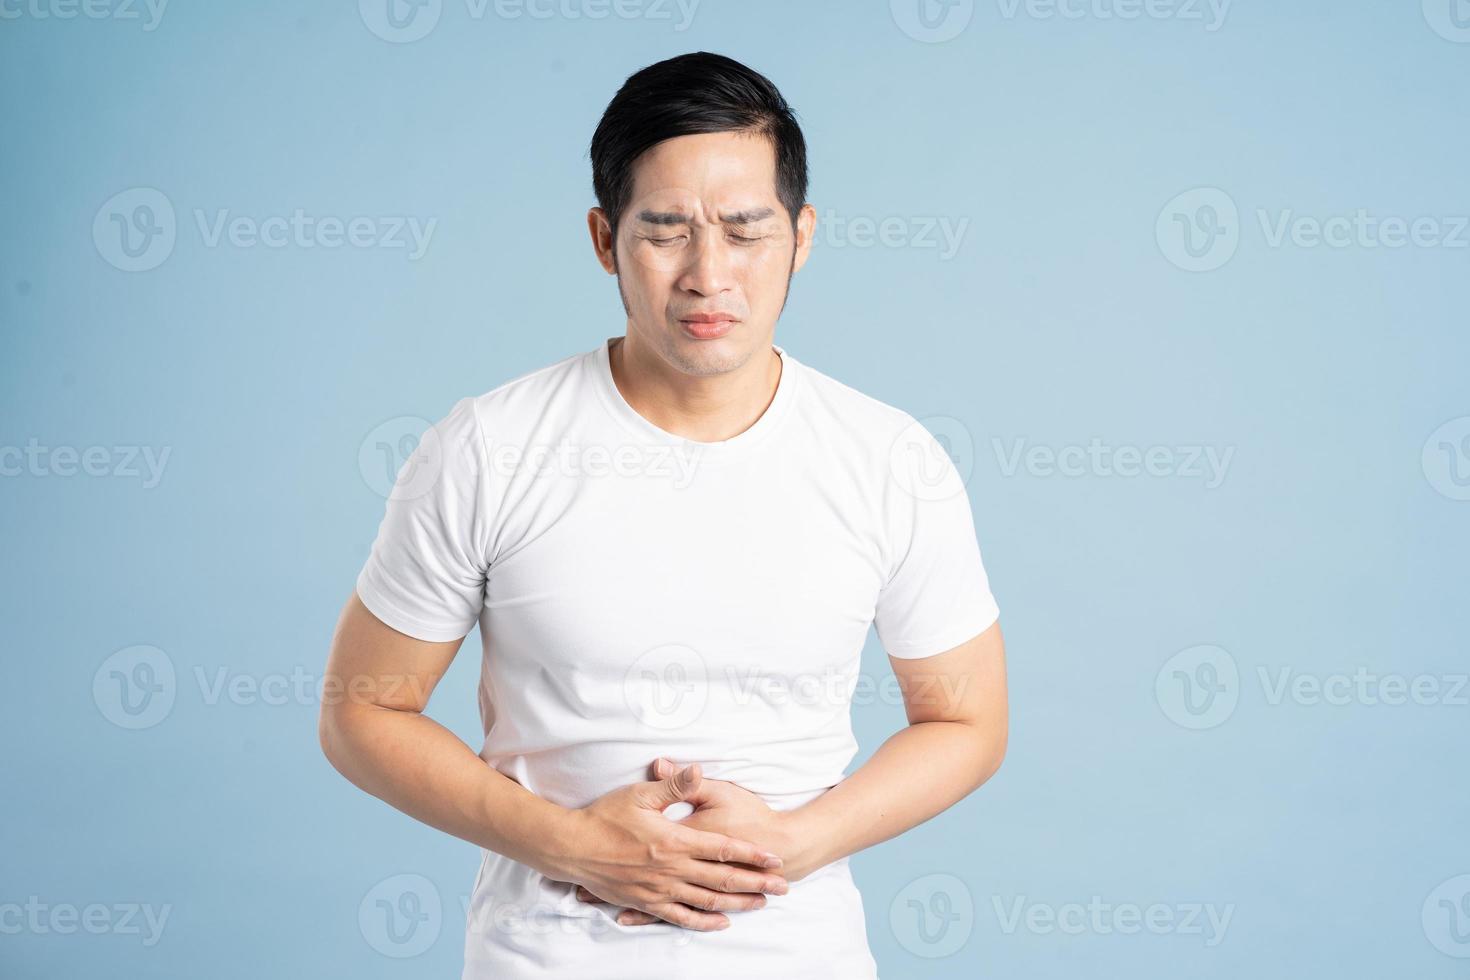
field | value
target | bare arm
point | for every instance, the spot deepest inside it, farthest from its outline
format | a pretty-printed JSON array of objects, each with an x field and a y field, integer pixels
[
  {"x": 373, "y": 730},
  {"x": 955, "y": 741}
]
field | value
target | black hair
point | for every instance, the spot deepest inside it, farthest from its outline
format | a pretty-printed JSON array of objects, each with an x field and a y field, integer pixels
[{"x": 693, "y": 93}]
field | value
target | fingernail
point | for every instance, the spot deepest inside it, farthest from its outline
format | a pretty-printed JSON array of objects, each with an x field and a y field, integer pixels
[{"x": 771, "y": 861}]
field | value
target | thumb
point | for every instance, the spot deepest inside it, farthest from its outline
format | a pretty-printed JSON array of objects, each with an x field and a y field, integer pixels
[{"x": 682, "y": 785}]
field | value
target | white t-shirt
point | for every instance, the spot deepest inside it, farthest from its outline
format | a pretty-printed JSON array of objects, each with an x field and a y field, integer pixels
[{"x": 640, "y": 594}]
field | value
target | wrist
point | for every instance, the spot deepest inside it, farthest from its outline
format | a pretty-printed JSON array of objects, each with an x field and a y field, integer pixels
[
  {"x": 558, "y": 844},
  {"x": 805, "y": 840}
]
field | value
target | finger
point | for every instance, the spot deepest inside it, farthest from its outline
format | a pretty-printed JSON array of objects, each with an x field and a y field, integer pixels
[
  {"x": 683, "y": 915},
  {"x": 625, "y": 917},
  {"x": 683, "y": 785},
  {"x": 705, "y": 900},
  {"x": 661, "y": 768},
  {"x": 725, "y": 878},
  {"x": 727, "y": 850}
]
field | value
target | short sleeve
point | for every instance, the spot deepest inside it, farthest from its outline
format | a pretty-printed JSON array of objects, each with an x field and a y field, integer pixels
[
  {"x": 937, "y": 594},
  {"x": 425, "y": 575}
]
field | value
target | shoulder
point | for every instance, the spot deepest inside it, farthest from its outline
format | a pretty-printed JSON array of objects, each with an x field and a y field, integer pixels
[
  {"x": 519, "y": 402},
  {"x": 533, "y": 392},
  {"x": 860, "y": 420},
  {"x": 899, "y": 452},
  {"x": 477, "y": 424}
]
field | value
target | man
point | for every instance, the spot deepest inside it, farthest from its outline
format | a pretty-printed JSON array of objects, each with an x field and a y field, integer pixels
[{"x": 674, "y": 545}]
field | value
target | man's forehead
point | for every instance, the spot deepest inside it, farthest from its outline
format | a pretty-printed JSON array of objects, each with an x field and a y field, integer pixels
[{"x": 705, "y": 175}]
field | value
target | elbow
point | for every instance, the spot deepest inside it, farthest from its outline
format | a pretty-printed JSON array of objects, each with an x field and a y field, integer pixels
[
  {"x": 324, "y": 733},
  {"x": 329, "y": 734},
  {"x": 334, "y": 734},
  {"x": 991, "y": 751},
  {"x": 993, "y": 762}
]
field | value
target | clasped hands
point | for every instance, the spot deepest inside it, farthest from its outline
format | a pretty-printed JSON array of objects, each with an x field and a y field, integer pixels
[{"x": 726, "y": 856}]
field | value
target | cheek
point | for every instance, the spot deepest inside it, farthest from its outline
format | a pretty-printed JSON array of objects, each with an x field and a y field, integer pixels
[
  {"x": 642, "y": 281},
  {"x": 764, "y": 273}
]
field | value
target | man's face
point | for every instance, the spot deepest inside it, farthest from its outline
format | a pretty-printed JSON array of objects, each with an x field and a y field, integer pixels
[{"x": 704, "y": 234}]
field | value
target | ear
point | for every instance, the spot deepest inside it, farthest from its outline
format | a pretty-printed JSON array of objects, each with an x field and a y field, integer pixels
[
  {"x": 600, "y": 229},
  {"x": 806, "y": 229}
]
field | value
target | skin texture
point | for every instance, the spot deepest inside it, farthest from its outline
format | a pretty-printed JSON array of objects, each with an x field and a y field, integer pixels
[
  {"x": 705, "y": 390},
  {"x": 705, "y": 232}
]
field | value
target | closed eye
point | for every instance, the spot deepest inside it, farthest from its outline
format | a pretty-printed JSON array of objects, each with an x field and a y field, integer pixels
[{"x": 741, "y": 239}]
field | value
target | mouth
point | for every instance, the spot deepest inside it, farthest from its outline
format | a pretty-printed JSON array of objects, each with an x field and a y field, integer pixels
[{"x": 708, "y": 326}]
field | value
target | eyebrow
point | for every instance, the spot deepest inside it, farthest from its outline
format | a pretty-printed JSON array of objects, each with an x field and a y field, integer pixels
[{"x": 747, "y": 217}]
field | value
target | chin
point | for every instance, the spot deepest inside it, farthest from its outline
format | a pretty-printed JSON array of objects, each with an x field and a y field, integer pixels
[{"x": 706, "y": 357}]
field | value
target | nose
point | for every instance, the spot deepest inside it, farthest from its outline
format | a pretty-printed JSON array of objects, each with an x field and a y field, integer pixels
[{"x": 708, "y": 271}]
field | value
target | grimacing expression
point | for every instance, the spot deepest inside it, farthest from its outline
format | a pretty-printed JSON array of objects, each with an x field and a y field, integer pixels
[{"x": 704, "y": 233}]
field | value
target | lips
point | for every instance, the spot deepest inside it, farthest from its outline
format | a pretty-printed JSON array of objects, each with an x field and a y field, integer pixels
[{"x": 707, "y": 326}]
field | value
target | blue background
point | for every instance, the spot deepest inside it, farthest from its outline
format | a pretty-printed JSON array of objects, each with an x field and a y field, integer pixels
[{"x": 1329, "y": 546}]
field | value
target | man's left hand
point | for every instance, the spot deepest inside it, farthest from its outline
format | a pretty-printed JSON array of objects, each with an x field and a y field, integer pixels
[{"x": 736, "y": 812}]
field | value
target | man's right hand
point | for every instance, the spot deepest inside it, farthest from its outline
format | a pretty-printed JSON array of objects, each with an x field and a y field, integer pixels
[{"x": 629, "y": 854}]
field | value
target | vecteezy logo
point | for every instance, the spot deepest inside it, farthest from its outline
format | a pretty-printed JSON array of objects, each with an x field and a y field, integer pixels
[
  {"x": 400, "y": 21},
  {"x": 933, "y": 457},
  {"x": 135, "y": 230},
  {"x": 401, "y": 459},
  {"x": 1449, "y": 18},
  {"x": 1199, "y": 687},
  {"x": 933, "y": 916},
  {"x": 135, "y": 687},
  {"x": 667, "y": 687},
  {"x": 1446, "y": 459},
  {"x": 401, "y": 916},
  {"x": 932, "y": 21},
  {"x": 1199, "y": 230},
  {"x": 1446, "y": 917}
]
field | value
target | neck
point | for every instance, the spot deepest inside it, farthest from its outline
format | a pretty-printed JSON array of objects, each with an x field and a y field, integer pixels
[{"x": 705, "y": 408}]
